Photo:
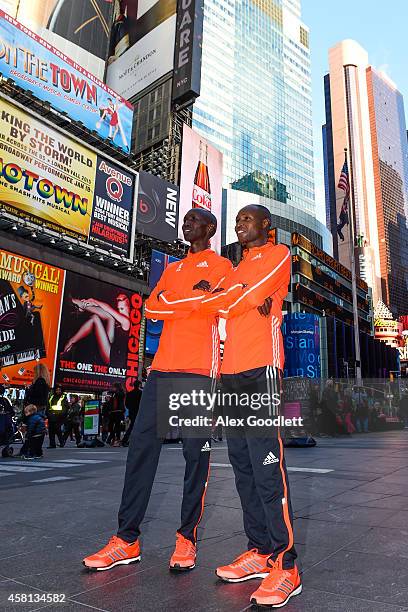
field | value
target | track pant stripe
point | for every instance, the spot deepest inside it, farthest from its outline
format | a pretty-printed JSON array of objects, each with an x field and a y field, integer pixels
[
  {"x": 202, "y": 503},
  {"x": 285, "y": 506}
]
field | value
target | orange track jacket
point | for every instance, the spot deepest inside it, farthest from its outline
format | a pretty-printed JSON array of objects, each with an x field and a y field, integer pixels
[{"x": 189, "y": 341}]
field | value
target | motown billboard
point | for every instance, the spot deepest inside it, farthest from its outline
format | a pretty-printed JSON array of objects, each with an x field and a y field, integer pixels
[
  {"x": 51, "y": 179},
  {"x": 35, "y": 65}
]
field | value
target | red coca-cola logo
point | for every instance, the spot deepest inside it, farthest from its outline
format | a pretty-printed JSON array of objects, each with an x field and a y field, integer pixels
[{"x": 201, "y": 198}]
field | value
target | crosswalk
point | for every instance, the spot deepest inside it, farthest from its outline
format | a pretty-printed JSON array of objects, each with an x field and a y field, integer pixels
[{"x": 37, "y": 467}]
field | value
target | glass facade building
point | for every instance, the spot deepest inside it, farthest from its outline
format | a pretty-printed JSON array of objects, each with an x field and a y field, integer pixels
[
  {"x": 390, "y": 157},
  {"x": 255, "y": 103}
]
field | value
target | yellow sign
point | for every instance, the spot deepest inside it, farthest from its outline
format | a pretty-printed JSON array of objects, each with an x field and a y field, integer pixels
[
  {"x": 385, "y": 323},
  {"x": 44, "y": 175}
]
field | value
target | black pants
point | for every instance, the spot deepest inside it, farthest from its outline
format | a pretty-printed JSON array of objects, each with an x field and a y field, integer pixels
[
  {"x": 115, "y": 423},
  {"x": 129, "y": 430},
  {"x": 144, "y": 452},
  {"x": 54, "y": 429},
  {"x": 35, "y": 445},
  {"x": 259, "y": 466},
  {"x": 72, "y": 428}
]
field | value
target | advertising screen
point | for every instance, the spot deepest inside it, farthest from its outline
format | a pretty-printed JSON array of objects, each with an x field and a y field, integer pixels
[
  {"x": 78, "y": 28},
  {"x": 200, "y": 180},
  {"x": 30, "y": 304},
  {"x": 142, "y": 45},
  {"x": 159, "y": 263},
  {"x": 301, "y": 340},
  {"x": 157, "y": 208},
  {"x": 91, "y": 417},
  {"x": 55, "y": 78},
  {"x": 50, "y": 178},
  {"x": 99, "y": 334}
]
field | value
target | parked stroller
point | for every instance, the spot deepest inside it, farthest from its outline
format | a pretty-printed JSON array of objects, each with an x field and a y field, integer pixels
[{"x": 9, "y": 434}]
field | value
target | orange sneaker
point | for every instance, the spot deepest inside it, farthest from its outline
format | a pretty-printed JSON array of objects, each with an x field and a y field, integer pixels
[
  {"x": 184, "y": 555},
  {"x": 116, "y": 552},
  {"x": 277, "y": 588},
  {"x": 248, "y": 565}
]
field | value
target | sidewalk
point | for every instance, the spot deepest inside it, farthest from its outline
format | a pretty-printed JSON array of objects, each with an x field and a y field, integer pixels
[{"x": 350, "y": 497}]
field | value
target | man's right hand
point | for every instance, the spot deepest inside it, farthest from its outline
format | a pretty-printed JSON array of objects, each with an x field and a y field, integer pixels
[{"x": 265, "y": 309}]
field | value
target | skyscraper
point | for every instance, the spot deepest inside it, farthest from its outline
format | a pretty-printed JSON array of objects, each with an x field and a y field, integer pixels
[
  {"x": 255, "y": 102},
  {"x": 365, "y": 114}
]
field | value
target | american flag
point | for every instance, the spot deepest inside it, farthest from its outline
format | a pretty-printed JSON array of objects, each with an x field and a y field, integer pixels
[
  {"x": 344, "y": 179},
  {"x": 344, "y": 184}
]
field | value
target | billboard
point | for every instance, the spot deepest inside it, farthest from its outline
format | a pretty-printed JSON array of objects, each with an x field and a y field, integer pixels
[
  {"x": 30, "y": 304},
  {"x": 159, "y": 263},
  {"x": 200, "y": 180},
  {"x": 188, "y": 49},
  {"x": 99, "y": 335},
  {"x": 80, "y": 29},
  {"x": 54, "y": 77},
  {"x": 157, "y": 208},
  {"x": 144, "y": 49},
  {"x": 49, "y": 178},
  {"x": 301, "y": 339}
]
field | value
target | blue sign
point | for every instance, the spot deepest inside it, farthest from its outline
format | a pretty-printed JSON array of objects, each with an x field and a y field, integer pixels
[
  {"x": 35, "y": 65},
  {"x": 301, "y": 340},
  {"x": 154, "y": 328}
]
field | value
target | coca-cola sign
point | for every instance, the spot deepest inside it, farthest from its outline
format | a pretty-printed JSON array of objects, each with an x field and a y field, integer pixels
[
  {"x": 200, "y": 180},
  {"x": 187, "y": 54}
]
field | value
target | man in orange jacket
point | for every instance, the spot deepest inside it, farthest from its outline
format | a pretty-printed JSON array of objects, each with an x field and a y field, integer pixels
[
  {"x": 187, "y": 359},
  {"x": 251, "y": 300}
]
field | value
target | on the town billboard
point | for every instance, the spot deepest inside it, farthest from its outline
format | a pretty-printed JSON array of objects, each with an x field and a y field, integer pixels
[
  {"x": 50, "y": 178},
  {"x": 54, "y": 77},
  {"x": 80, "y": 29}
]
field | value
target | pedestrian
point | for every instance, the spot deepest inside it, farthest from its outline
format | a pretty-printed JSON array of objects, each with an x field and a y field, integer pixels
[
  {"x": 105, "y": 412},
  {"x": 329, "y": 406},
  {"x": 35, "y": 432},
  {"x": 5, "y": 404},
  {"x": 132, "y": 403},
  {"x": 253, "y": 364},
  {"x": 38, "y": 392},
  {"x": 362, "y": 412},
  {"x": 116, "y": 415},
  {"x": 187, "y": 359},
  {"x": 347, "y": 413},
  {"x": 73, "y": 420},
  {"x": 56, "y": 411},
  {"x": 403, "y": 409}
]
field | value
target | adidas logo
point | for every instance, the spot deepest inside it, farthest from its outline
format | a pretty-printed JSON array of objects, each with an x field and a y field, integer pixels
[
  {"x": 179, "y": 267},
  {"x": 203, "y": 264},
  {"x": 257, "y": 256},
  {"x": 270, "y": 458},
  {"x": 206, "y": 448}
]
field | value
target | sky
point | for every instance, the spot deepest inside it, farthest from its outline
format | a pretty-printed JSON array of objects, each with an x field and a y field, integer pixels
[{"x": 379, "y": 27}]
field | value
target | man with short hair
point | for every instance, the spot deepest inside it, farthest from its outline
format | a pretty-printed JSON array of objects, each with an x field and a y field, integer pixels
[{"x": 187, "y": 358}]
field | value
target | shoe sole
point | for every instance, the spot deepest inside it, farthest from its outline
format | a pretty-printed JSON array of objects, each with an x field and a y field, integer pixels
[
  {"x": 180, "y": 568},
  {"x": 122, "y": 562},
  {"x": 244, "y": 578},
  {"x": 266, "y": 605}
]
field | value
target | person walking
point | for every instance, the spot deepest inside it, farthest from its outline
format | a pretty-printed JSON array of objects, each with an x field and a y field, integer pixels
[
  {"x": 56, "y": 411},
  {"x": 38, "y": 392},
  {"x": 73, "y": 420},
  {"x": 116, "y": 415},
  {"x": 187, "y": 360},
  {"x": 132, "y": 403}
]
